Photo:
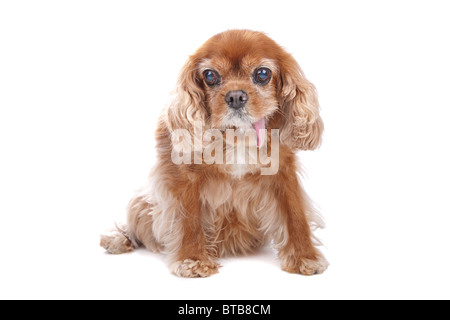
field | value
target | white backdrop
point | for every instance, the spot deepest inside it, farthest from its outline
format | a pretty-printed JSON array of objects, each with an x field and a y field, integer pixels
[{"x": 82, "y": 83}]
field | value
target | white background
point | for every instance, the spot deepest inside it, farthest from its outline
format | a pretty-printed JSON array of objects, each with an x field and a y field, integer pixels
[{"x": 82, "y": 83}]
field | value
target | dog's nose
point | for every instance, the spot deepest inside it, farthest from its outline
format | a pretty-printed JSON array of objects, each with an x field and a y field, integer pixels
[{"x": 236, "y": 99}]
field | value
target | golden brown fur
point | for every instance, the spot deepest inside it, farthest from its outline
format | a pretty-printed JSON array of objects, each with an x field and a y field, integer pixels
[{"x": 196, "y": 213}]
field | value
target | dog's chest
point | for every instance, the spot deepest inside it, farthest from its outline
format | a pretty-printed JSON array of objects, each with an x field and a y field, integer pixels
[
  {"x": 243, "y": 196},
  {"x": 240, "y": 160},
  {"x": 234, "y": 212}
]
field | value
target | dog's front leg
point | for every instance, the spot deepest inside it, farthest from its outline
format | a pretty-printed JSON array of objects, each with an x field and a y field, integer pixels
[
  {"x": 298, "y": 255},
  {"x": 192, "y": 259}
]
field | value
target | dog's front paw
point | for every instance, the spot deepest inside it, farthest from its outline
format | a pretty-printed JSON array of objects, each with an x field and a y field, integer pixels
[
  {"x": 189, "y": 268},
  {"x": 304, "y": 266}
]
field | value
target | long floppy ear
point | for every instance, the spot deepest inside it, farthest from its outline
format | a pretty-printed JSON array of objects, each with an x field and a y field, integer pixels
[
  {"x": 302, "y": 125},
  {"x": 188, "y": 102}
]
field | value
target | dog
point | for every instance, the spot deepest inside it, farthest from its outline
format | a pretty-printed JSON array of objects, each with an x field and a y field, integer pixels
[{"x": 197, "y": 211}]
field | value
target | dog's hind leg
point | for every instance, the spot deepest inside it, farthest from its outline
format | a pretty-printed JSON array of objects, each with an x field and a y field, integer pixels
[
  {"x": 140, "y": 224},
  {"x": 138, "y": 231},
  {"x": 117, "y": 241}
]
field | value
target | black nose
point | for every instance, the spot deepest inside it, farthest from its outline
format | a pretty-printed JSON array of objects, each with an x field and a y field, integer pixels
[{"x": 236, "y": 99}]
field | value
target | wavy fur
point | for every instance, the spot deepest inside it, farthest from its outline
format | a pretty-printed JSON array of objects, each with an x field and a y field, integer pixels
[{"x": 198, "y": 213}]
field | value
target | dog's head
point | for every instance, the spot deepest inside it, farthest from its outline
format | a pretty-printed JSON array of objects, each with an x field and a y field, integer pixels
[{"x": 243, "y": 79}]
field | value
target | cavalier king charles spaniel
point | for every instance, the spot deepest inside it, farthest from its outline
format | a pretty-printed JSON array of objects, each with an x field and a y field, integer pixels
[{"x": 226, "y": 181}]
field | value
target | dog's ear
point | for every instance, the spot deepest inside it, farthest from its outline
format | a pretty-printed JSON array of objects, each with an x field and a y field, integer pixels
[
  {"x": 302, "y": 125},
  {"x": 188, "y": 102}
]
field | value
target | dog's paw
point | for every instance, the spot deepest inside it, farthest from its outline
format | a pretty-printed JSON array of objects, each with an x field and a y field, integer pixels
[
  {"x": 115, "y": 243},
  {"x": 307, "y": 267},
  {"x": 189, "y": 268}
]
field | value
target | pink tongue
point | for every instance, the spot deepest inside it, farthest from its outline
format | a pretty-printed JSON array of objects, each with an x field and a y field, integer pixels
[{"x": 260, "y": 132}]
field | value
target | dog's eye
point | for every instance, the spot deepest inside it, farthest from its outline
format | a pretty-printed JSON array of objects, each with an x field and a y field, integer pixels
[
  {"x": 212, "y": 78},
  {"x": 262, "y": 76}
]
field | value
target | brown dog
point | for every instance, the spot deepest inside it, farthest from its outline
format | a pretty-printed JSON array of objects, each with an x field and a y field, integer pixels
[{"x": 196, "y": 210}]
